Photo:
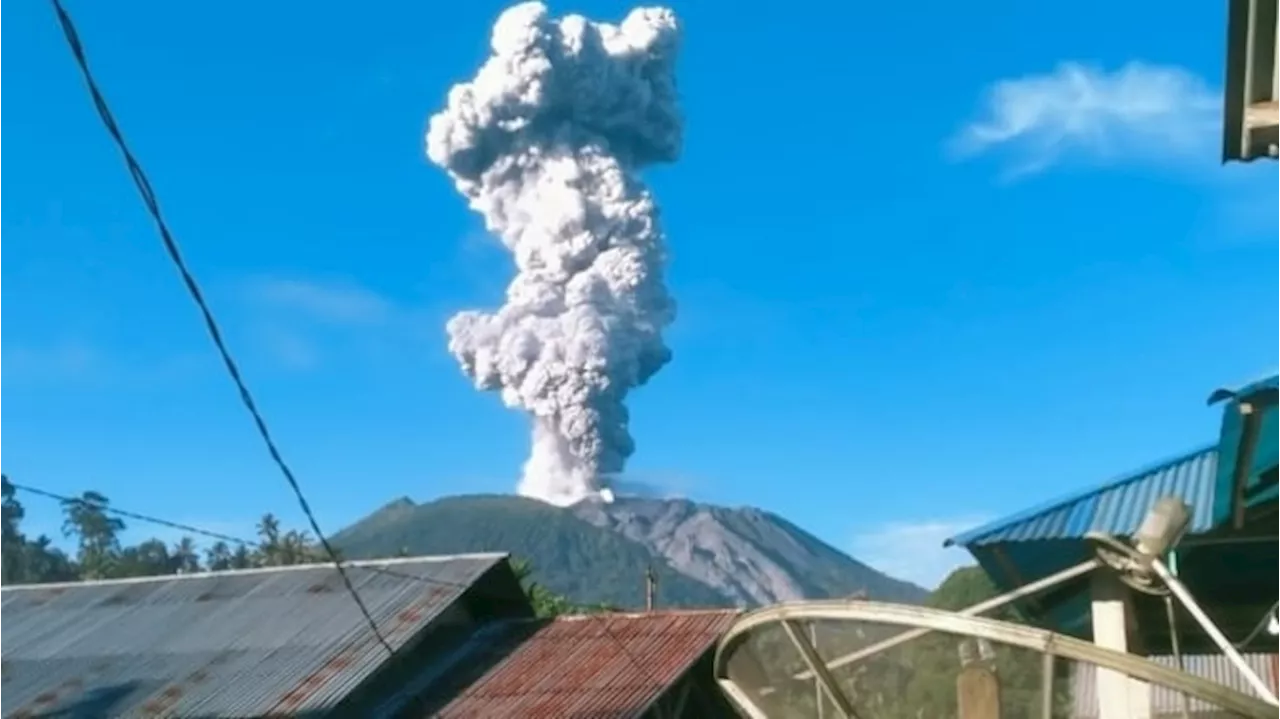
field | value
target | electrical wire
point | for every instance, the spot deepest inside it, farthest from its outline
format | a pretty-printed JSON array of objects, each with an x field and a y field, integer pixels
[
  {"x": 1262, "y": 624},
  {"x": 239, "y": 541},
  {"x": 193, "y": 289},
  {"x": 210, "y": 534}
]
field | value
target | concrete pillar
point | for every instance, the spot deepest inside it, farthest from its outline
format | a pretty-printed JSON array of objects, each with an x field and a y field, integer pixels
[{"x": 1119, "y": 697}]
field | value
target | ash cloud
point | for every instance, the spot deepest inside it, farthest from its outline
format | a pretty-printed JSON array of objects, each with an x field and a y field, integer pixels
[{"x": 545, "y": 143}]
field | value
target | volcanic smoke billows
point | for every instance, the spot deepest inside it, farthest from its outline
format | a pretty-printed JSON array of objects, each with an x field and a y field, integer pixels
[{"x": 545, "y": 143}]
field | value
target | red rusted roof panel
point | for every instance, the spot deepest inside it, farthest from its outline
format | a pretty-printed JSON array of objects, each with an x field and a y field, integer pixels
[{"x": 604, "y": 665}]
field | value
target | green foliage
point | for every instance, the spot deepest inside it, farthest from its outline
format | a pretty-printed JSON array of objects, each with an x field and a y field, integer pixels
[
  {"x": 547, "y": 603},
  {"x": 95, "y": 531},
  {"x": 572, "y": 558},
  {"x": 918, "y": 678}
]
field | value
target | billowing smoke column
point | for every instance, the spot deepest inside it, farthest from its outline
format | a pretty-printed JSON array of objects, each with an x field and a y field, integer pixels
[{"x": 545, "y": 143}]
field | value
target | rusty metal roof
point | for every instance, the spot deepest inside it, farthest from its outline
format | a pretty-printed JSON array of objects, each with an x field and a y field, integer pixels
[
  {"x": 604, "y": 666},
  {"x": 285, "y": 640}
]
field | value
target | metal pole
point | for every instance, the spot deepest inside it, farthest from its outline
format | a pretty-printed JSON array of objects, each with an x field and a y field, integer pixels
[
  {"x": 820, "y": 702},
  {"x": 1047, "y": 661},
  {"x": 1189, "y": 603},
  {"x": 980, "y": 608}
]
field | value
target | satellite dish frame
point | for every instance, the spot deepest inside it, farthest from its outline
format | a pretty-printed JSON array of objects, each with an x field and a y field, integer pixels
[
  {"x": 925, "y": 620},
  {"x": 1138, "y": 564}
]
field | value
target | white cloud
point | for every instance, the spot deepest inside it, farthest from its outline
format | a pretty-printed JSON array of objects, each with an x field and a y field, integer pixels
[
  {"x": 290, "y": 348},
  {"x": 1139, "y": 111},
  {"x": 913, "y": 550},
  {"x": 302, "y": 323},
  {"x": 330, "y": 302}
]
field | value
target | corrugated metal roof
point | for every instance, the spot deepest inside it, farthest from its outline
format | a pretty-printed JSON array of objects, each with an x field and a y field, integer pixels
[
  {"x": 604, "y": 666},
  {"x": 1165, "y": 700},
  {"x": 247, "y": 643},
  {"x": 1267, "y": 383},
  {"x": 1117, "y": 507}
]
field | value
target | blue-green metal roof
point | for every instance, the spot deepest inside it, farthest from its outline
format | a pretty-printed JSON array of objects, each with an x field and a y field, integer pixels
[
  {"x": 1202, "y": 478},
  {"x": 1116, "y": 507},
  {"x": 1037, "y": 542},
  {"x": 1262, "y": 438}
]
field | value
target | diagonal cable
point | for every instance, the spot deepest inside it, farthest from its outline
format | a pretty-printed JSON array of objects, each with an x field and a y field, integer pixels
[{"x": 193, "y": 289}]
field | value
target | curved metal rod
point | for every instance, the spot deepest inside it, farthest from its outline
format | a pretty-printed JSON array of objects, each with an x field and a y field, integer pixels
[{"x": 993, "y": 630}]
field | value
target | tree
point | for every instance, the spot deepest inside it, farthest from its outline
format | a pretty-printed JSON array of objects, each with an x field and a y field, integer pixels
[
  {"x": 89, "y": 521},
  {"x": 96, "y": 532},
  {"x": 243, "y": 558},
  {"x": 42, "y": 562},
  {"x": 147, "y": 558},
  {"x": 12, "y": 550},
  {"x": 184, "y": 558},
  {"x": 218, "y": 557},
  {"x": 296, "y": 547},
  {"x": 545, "y": 602},
  {"x": 269, "y": 540}
]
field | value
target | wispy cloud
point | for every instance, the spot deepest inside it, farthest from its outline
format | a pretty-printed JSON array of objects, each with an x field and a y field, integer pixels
[
  {"x": 64, "y": 360},
  {"x": 304, "y": 323},
  {"x": 290, "y": 348},
  {"x": 1137, "y": 112},
  {"x": 331, "y": 302},
  {"x": 913, "y": 550}
]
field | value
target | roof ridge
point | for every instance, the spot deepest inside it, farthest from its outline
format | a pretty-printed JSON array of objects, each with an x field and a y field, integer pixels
[
  {"x": 357, "y": 563},
  {"x": 976, "y": 533},
  {"x": 642, "y": 614}
]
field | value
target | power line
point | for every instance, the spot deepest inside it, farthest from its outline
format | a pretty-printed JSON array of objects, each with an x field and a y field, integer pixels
[
  {"x": 240, "y": 541},
  {"x": 193, "y": 289},
  {"x": 207, "y": 533},
  {"x": 132, "y": 515},
  {"x": 152, "y": 204}
]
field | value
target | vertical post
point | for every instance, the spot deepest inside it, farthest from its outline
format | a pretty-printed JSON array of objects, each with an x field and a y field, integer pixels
[
  {"x": 978, "y": 693},
  {"x": 1250, "y": 429},
  {"x": 818, "y": 699},
  {"x": 1047, "y": 664},
  {"x": 650, "y": 587},
  {"x": 1119, "y": 697}
]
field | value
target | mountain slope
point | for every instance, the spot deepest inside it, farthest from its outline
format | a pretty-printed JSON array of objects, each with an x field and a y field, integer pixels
[
  {"x": 703, "y": 555},
  {"x": 569, "y": 556},
  {"x": 749, "y": 555}
]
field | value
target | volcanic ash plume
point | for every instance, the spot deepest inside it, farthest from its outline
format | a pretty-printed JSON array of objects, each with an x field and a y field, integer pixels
[{"x": 545, "y": 143}]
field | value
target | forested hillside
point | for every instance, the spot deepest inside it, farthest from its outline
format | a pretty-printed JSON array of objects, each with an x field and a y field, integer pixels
[{"x": 569, "y": 556}]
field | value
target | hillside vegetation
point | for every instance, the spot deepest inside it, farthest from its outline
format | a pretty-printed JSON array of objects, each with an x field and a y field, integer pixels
[
  {"x": 569, "y": 556},
  {"x": 596, "y": 553}
]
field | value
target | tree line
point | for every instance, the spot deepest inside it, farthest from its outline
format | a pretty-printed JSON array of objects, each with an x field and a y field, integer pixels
[
  {"x": 95, "y": 534},
  {"x": 95, "y": 531}
]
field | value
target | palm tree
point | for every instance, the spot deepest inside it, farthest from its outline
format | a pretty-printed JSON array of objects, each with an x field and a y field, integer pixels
[
  {"x": 269, "y": 540},
  {"x": 218, "y": 557},
  {"x": 184, "y": 556}
]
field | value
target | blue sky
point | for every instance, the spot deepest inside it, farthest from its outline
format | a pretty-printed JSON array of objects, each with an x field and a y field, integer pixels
[{"x": 935, "y": 263}]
